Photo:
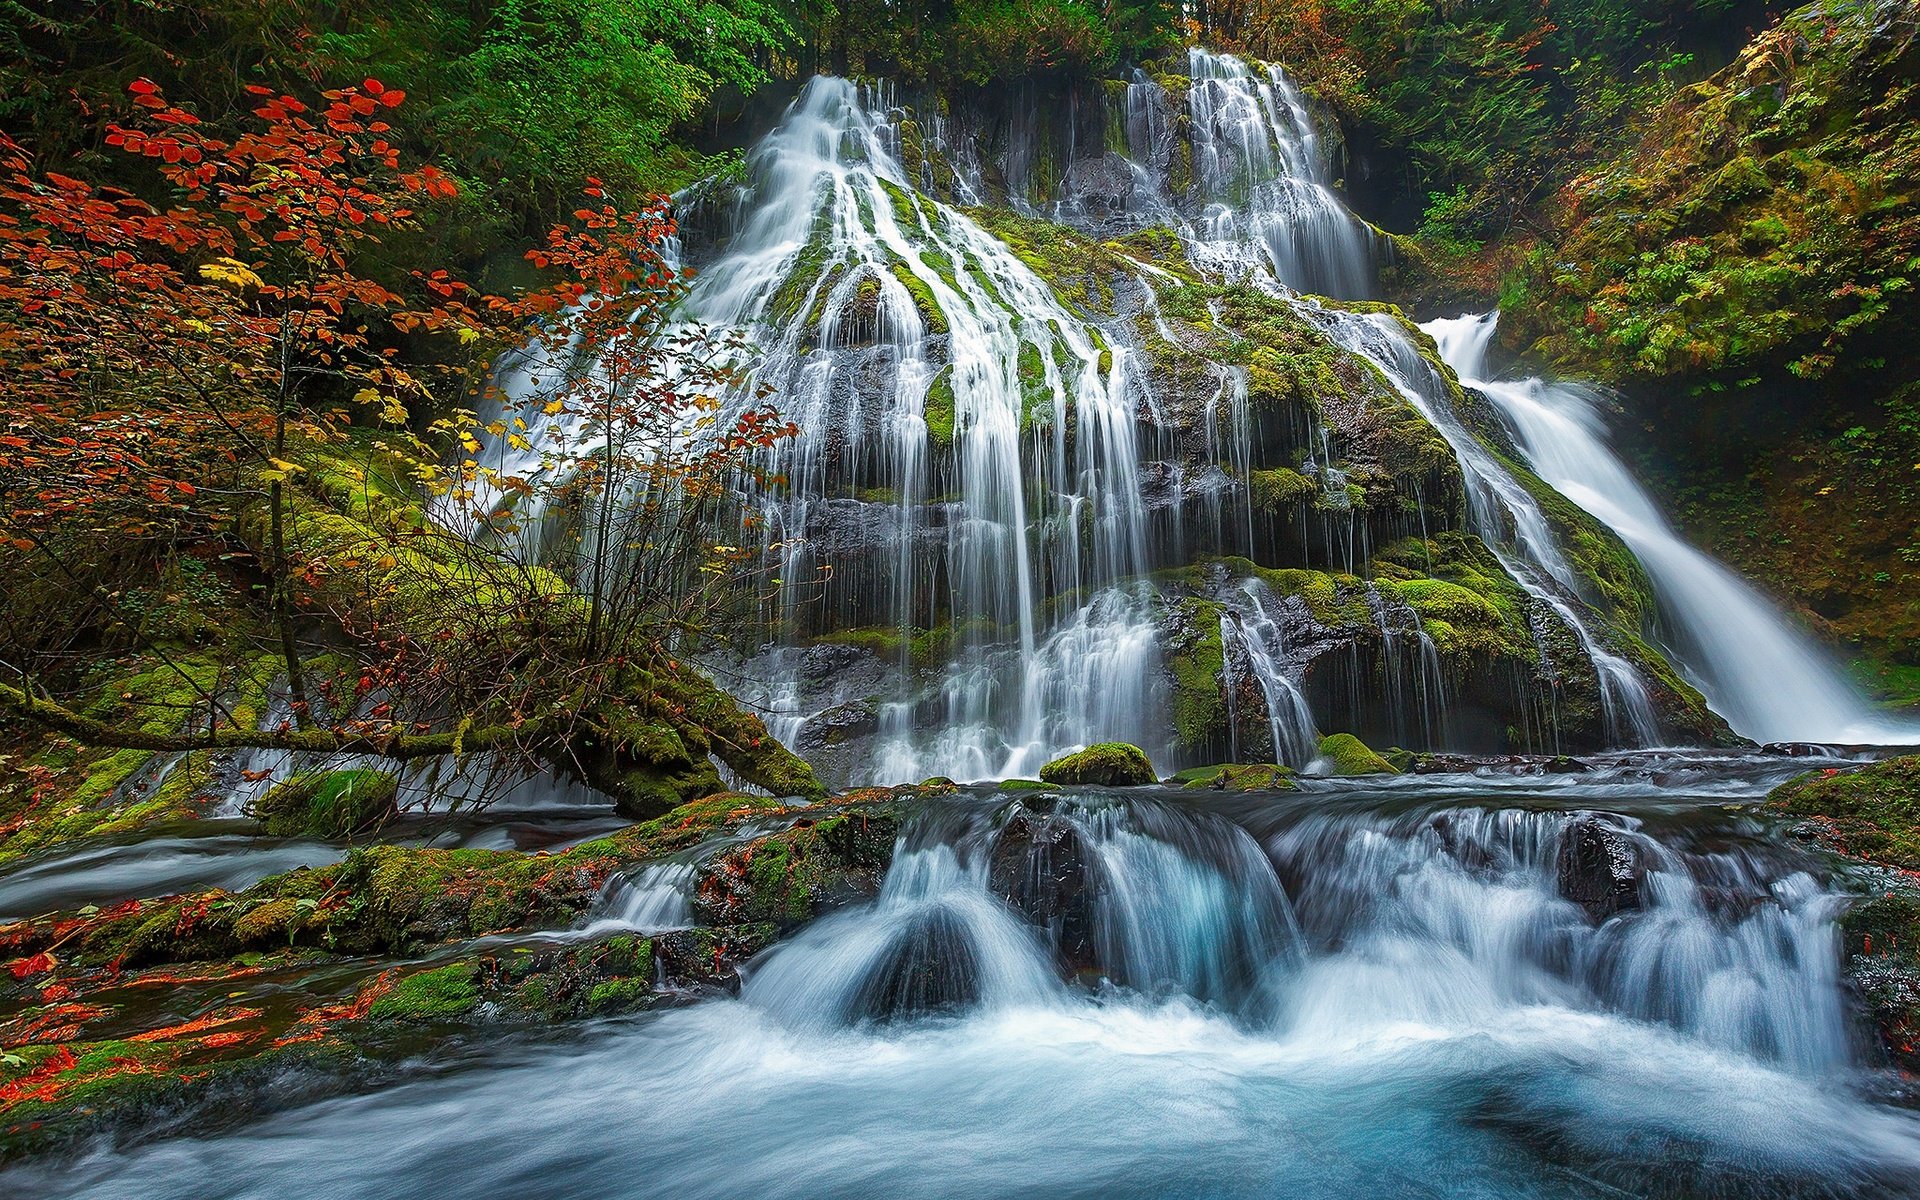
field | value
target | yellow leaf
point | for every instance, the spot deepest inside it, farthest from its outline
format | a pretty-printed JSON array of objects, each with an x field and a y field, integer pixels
[
  {"x": 231, "y": 272},
  {"x": 469, "y": 336}
]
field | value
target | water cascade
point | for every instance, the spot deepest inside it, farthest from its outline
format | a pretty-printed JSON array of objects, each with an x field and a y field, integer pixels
[
  {"x": 1505, "y": 515},
  {"x": 1262, "y": 182},
  {"x": 1769, "y": 680},
  {"x": 1554, "y": 988},
  {"x": 923, "y": 360}
]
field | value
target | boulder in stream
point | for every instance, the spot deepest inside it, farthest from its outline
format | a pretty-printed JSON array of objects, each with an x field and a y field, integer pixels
[
  {"x": 1599, "y": 868},
  {"x": 1044, "y": 869},
  {"x": 1108, "y": 764}
]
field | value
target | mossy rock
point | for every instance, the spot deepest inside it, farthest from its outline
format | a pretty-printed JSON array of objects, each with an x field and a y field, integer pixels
[
  {"x": 1236, "y": 777},
  {"x": 328, "y": 804},
  {"x": 1348, "y": 755},
  {"x": 1023, "y": 785},
  {"x": 1873, "y": 812},
  {"x": 788, "y": 878},
  {"x": 1108, "y": 764},
  {"x": 440, "y": 994}
]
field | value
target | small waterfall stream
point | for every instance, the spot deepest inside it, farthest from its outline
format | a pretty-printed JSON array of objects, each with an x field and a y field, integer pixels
[{"x": 1770, "y": 681}]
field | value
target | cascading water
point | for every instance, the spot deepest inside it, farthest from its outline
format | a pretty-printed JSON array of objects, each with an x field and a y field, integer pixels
[
  {"x": 922, "y": 359},
  {"x": 1261, "y": 181},
  {"x": 1770, "y": 681},
  {"x": 1507, "y": 518},
  {"x": 1554, "y": 988}
]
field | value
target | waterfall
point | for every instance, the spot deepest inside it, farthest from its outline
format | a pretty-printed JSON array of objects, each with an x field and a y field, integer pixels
[
  {"x": 1262, "y": 184},
  {"x": 967, "y": 462},
  {"x": 1310, "y": 920},
  {"x": 1767, "y": 678},
  {"x": 1255, "y": 630},
  {"x": 1505, "y": 515}
]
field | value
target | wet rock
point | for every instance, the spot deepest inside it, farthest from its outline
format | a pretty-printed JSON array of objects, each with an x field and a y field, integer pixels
[
  {"x": 1043, "y": 868},
  {"x": 1599, "y": 868},
  {"x": 836, "y": 726},
  {"x": 1563, "y": 764},
  {"x": 1468, "y": 853},
  {"x": 1101, "y": 186},
  {"x": 788, "y": 878},
  {"x": 1108, "y": 764},
  {"x": 930, "y": 967}
]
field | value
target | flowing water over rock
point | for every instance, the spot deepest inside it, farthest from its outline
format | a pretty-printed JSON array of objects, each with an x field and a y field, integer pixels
[
  {"x": 1769, "y": 680},
  {"x": 1616, "y": 982}
]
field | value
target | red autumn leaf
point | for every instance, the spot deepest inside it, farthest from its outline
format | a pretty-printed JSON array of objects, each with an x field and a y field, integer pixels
[{"x": 38, "y": 964}]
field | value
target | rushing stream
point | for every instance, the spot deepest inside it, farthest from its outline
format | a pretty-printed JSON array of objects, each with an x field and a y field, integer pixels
[{"x": 1359, "y": 989}]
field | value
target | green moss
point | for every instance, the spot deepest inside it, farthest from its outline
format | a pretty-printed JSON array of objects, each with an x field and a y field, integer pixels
[
  {"x": 1106, "y": 764},
  {"x": 436, "y": 995},
  {"x": 1351, "y": 756},
  {"x": 938, "y": 408},
  {"x": 328, "y": 804},
  {"x": 1276, "y": 489},
  {"x": 1023, "y": 785},
  {"x": 1875, "y": 810},
  {"x": 1237, "y": 777},
  {"x": 1195, "y": 656},
  {"x": 923, "y": 297}
]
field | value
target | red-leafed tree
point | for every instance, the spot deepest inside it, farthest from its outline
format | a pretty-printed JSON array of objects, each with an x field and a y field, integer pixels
[{"x": 175, "y": 369}]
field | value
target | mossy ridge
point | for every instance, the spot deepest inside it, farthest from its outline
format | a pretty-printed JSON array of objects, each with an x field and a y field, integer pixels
[
  {"x": 63, "y": 791},
  {"x": 1082, "y": 270},
  {"x": 1872, "y": 814},
  {"x": 398, "y": 900},
  {"x": 648, "y": 746}
]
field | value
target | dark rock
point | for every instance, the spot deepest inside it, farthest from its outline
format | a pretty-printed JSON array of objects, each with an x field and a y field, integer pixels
[
  {"x": 837, "y": 725},
  {"x": 1600, "y": 868},
  {"x": 1043, "y": 868},
  {"x": 930, "y": 967},
  {"x": 1563, "y": 764}
]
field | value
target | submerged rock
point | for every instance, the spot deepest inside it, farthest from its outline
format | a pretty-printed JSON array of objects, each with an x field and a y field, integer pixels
[
  {"x": 1599, "y": 868},
  {"x": 1108, "y": 764},
  {"x": 930, "y": 967}
]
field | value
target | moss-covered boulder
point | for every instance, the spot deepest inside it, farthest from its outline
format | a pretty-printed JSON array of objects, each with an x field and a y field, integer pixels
[
  {"x": 1348, "y": 755},
  {"x": 1108, "y": 764},
  {"x": 328, "y": 804},
  {"x": 788, "y": 878}
]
